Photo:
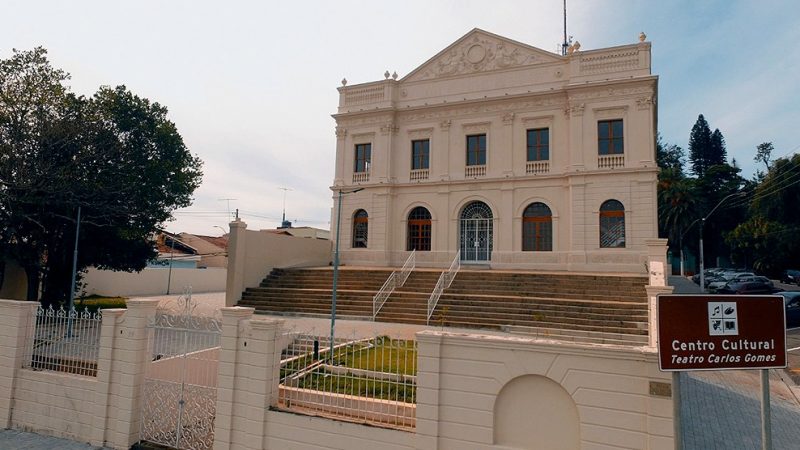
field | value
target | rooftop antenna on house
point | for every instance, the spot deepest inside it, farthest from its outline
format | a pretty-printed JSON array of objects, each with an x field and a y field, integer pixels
[
  {"x": 565, "y": 44},
  {"x": 229, "y": 206},
  {"x": 284, "y": 223}
]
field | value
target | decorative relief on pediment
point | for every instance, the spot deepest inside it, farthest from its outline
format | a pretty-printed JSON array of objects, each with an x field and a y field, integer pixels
[
  {"x": 363, "y": 138},
  {"x": 420, "y": 133},
  {"x": 644, "y": 103},
  {"x": 610, "y": 92},
  {"x": 479, "y": 53},
  {"x": 612, "y": 61},
  {"x": 389, "y": 128},
  {"x": 575, "y": 109},
  {"x": 364, "y": 120},
  {"x": 454, "y": 112},
  {"x": 476, "y": 127},
  {"x": 537, "y": 121},
  {"x": 610, "y": 113}
]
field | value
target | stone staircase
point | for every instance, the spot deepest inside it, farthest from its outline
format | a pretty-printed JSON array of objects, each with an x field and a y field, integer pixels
[{"x": 594, "y": 305}]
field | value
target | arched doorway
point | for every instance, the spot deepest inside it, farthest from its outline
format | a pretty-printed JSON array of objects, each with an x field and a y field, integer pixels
[{"x": 476, "y": 232}]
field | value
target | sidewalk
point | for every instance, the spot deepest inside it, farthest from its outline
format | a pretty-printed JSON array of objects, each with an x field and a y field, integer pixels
[{"x": 22, "y": 440}]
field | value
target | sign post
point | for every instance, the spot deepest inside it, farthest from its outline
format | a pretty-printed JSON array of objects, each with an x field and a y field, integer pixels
[{"x": 718, "y": 332}]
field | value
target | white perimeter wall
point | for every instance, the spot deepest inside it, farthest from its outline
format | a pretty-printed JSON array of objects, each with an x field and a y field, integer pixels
[
  {"x": 153, "y": 281},
  {"x": 56, "y": 404},
  {"x": 461, "y": 376},
  {"x": 253, "y": 254}
]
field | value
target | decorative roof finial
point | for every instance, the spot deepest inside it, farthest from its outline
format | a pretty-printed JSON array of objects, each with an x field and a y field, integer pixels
[
  {"x": 344, "y": 81},
  {"x": 394, "y": 75},
  {"x": 642, "y": 37},
  {"x": 386, "y": 75},
  {"x": 576, "y": 46}
]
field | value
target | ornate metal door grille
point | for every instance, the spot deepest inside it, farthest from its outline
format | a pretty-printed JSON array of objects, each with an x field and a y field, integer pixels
[
  {"x": 179, "y": 392},
  {"x": 476, "y": 232}
]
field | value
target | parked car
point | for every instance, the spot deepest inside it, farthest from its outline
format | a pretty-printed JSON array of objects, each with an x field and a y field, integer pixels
[
  {"x": 746, "y": 287},
  {"x": 768, "y": 281},
  {"x": 732, "y": 277},
  {"x": 792, "y": 303},
  {"x": 791, "y": 276}
]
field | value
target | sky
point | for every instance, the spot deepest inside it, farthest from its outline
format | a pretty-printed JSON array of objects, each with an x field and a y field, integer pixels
[{"x": 251, "y": 85}]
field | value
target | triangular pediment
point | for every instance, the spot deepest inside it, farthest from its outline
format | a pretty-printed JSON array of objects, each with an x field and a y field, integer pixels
[{"x": 480, "y": 51}]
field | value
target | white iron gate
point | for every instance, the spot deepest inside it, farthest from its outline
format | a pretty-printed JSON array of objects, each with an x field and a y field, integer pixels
[{"x": 179, "y": 393}]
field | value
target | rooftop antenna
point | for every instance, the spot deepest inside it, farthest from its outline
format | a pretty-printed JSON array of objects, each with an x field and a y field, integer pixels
[
  {"x": 229, "y": 206},
  {"x": 284, "y": 222},
  {"x": 565, "y": 44}
]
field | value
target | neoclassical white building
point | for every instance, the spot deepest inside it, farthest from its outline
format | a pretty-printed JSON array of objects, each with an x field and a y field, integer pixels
[{"x": 517, "y": 157}]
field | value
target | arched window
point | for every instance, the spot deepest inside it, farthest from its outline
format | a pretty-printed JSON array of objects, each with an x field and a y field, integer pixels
[
  {"x": 612, "y": 224},
  {"x": 419, "y": 229},
  {"x": 537, "y": 228},
  {"x": 360, "y": 228}
]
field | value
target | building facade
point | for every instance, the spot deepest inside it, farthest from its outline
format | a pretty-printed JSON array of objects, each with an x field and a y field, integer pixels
[{"x": 513, "y": 156}]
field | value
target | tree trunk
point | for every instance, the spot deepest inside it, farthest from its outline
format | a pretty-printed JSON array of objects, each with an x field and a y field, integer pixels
[{"x": 32, "y": 276}]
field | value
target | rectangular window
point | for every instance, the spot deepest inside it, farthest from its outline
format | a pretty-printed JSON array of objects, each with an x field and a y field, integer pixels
[
  {"x": 609, "y": 137},
  {"x": 476, "y": 150},
  {"x": 420, "y": 154},
  {"x": 363, "y": 158},
  {"x": 539, "y": 144}
]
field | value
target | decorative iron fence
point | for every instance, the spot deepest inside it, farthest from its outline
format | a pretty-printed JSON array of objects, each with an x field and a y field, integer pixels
[
  {"x": 370, "y": 380},
  {"x": 64, "y": 341},
  {"x": 444, "y": 282}
]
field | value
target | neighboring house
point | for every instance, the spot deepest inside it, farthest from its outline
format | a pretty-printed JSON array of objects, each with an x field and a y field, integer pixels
[
  {"x": 172, "y": 250},
  {"x": 213, "y": 250},
  {"x": 517, "y": 157},
  {"x": 308, "y": 232}
]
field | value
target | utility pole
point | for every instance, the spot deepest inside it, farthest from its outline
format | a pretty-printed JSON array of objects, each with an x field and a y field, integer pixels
[{"x": 229, "y": 205}]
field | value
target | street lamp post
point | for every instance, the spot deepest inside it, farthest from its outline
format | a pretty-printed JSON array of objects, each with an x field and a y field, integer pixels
[
  {"x": 336, "y": 263},
  {"x": 702, "y": 226},
  {"x": 680, "y": 241}
]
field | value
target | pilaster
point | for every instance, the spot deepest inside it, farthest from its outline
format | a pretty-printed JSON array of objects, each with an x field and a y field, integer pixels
[
  {"x": 17, "y": 322},
  {"x": 103, "y": 393},
  {"x": 129, "y": 361},
  {"x": 429, "y": 353},
  {"x": 236, "y": 262}
]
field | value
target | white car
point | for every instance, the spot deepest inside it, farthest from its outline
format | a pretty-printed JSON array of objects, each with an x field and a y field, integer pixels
[{"x": 731, "y": 278}]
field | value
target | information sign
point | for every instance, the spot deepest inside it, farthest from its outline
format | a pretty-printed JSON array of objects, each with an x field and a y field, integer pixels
[{"x": 713, "y": 332}]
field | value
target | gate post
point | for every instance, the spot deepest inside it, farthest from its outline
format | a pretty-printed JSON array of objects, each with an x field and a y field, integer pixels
[
  {"x": 247, "y": 378},
  {"x": 17, "y": 321},
  {"x": 129, "y": 360},
  {"x": 229, "y": 344}
]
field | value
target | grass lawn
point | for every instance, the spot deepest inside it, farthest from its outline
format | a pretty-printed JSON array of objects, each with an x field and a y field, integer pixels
[
  {"x": 379, "y": 355},
  {"x": 95, "y": 302},
  {"x": 388, "y": 355}
]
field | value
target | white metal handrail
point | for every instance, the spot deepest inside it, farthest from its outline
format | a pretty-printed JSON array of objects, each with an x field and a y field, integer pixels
[
  {"x": 407, "y": 268},
  {"x": 444, "y": 282},
  {"x": 383, "y": 294},
  {"x": 394, "y": 281}
]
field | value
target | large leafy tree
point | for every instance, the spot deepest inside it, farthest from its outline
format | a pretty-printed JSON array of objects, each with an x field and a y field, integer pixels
[
  {"x": 115, "y": 155},
  {"x": 768, "y": 237},
  {"x": 677, "y": 202}
]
